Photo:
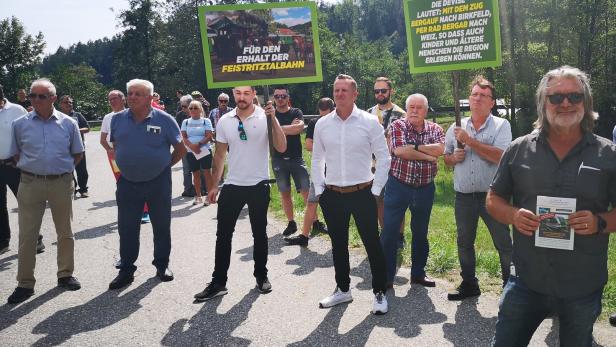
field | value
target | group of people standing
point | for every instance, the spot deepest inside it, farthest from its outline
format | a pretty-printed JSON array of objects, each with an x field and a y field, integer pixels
[{"x": 373, "y": 166}]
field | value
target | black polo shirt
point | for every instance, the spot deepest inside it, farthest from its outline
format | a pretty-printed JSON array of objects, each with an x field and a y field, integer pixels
[{"x": 529, "y": 168}]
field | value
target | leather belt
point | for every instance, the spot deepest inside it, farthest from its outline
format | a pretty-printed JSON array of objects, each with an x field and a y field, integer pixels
[
  {"x": 349, "y": 189},
  {"x": 45, "y": 177}
]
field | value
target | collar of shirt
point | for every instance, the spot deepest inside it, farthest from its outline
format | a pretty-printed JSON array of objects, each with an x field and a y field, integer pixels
[
  {"x": 541, "y": 136},
  {"x": 470, "y": 126},
  {"x": 54, "y": 114},
  {"x": 353, "y": 114}
]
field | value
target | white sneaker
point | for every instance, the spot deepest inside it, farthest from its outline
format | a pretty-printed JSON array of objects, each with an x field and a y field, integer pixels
[
  {"x": 380, "y": 304},
  {"x": 197, "y": 201},
  {"x": 338, "y": 297}
]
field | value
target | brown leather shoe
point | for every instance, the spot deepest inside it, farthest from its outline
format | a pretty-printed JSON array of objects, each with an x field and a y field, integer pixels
[{"x": 424, "y": 281}]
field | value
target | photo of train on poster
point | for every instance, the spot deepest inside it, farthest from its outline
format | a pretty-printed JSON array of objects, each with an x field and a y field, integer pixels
[{"x": 259, "y": 44}]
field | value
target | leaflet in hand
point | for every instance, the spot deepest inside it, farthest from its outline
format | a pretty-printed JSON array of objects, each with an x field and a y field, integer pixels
[
  {"x": 204, "y": 152},
  {"x": 554, "y": 230}
]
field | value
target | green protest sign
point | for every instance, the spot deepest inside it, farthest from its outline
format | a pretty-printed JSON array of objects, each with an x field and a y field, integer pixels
[
  {"x": 452, "y": 34},
  {"x": 259, "y": 44}
]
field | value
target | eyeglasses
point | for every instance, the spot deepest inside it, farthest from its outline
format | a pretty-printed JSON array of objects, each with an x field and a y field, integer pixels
[
  {"x": 280, "y": 96},
  {"x": 223, "y": 101},
  {"x": 481, "y": 95},
  {"x": 242, "y": 132},
  {"x": 39, "y": 96},
  {"x": 381, "y": 91},
  {"x": 574, "y": 98}
]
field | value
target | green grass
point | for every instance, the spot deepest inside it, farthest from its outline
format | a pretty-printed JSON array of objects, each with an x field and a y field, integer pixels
[{"x": 443, "y": 258}]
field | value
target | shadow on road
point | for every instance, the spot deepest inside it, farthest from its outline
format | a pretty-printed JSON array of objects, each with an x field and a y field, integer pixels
[
  {"x": 470, "y": 327},
  {"x": 7, "y": 261},
  {"x": 12, "y": 313},
  {"x": 96, "y": 205},
  {"x": 405, "y": 317},
  {"x": 99, "y": 231},
  {"x": 103, "y": 311},
  {"x": 200, "y": 331}
]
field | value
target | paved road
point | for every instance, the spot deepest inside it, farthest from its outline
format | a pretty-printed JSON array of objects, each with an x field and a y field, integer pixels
[{"x": 153, "y": 313}]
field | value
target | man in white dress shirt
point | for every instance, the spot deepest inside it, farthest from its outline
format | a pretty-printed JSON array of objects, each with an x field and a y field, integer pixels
[{"x": 345, "y": 141}]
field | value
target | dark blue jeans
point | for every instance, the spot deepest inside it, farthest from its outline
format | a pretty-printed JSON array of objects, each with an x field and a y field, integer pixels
[
  {"x": 398, "y": 198},
  {"x": 522, "y": 310},
  {"x": 130, "y": 198},
  {"x": 468, "y": 209},
  {"x": 230, "y": 203}
]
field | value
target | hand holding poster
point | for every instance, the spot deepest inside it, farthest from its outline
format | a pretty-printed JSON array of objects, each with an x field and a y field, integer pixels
[
  {"x": 452, "y": 34},
  {"x": 257, "y": 44}
]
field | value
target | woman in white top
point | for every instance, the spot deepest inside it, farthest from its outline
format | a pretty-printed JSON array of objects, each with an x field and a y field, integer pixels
[{"x": 197, "y": 134}]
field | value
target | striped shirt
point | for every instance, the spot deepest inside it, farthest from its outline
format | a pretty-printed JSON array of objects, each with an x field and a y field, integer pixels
[{"x": 414, "y": 172}]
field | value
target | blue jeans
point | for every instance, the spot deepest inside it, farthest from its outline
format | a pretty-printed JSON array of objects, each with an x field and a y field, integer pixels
[
  {"x": 521, "y": 311},
  {"x": 186, "y": 175},
  {"x": 469, "y": 207},
  {"x": 399, "y": 197},
  {"x": 130, "y": 198}
]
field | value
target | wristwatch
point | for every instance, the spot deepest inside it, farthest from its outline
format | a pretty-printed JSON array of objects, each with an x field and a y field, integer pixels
[
  {"x": 601, "y": 225},
  {"x": 416, "y": 146}
]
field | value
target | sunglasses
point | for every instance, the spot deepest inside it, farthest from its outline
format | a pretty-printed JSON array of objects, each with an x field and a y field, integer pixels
[
  {"x": 574, "y": 98},
  {"x": 39, "y": 96},
  {"x": 280, "y": 96},
  {"x": 242, "y": 132},
  {"x": 193, "y": 108},
  {"x": 381, "y": 91},
  {"x": 223, "y": 101}
]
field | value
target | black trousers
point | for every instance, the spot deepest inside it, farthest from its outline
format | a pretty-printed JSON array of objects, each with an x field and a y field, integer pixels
[
  {"x": 230, "y": 203},
  {"x": 337, "y": 209},
  {"x": 9, "y": 177},
  {"x": 82, "y": 176}
]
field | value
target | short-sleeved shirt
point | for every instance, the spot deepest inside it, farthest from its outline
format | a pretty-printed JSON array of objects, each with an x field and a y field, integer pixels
[
  {"x": 310, "y": 128},
  {"x": 414, "y": 172},
  {"x": 475, "y": 173},
  {"x": 195, "y": 129},
  {"x": 143, "y": 149},
  {"x": 82, "y": 122},
  {"x": 106, "y": 126},
  {"x": 248, "y": 161},
  {"x": 216, "y": 113},
  {"x": 46, "y": 147},
  {"x": 530, "y": 168},
  {"x": 294, "y": 143},
  {"x": 8, "y": 113}
]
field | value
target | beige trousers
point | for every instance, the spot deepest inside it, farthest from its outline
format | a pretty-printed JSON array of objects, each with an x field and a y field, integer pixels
[{"x": 32, "y": 198}]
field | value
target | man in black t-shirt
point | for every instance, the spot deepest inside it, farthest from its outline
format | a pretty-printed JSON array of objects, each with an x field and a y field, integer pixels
[
  {"x": 326, "y": 106},
  {"x": 290, "y": 163},
  {"x": 66, "y": 106}
]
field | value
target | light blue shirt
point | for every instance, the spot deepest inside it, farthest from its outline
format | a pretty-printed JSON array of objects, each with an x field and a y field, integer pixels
[
  {"x": 614, "y": 134},
  {"x": 195, "y": 129},
  {"x": 143, "y": 149},
  {"x": 475, "y": 174},
  {"x": 46, "y": 147}
]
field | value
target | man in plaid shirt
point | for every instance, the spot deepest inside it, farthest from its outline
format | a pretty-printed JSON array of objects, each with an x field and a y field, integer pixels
[{"x": 415, "y": 146}]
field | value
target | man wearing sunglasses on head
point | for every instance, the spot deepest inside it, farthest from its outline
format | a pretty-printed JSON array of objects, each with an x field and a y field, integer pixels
[
  {"x": 484, "y": 138},
  {"x": 562, "y": 159},
  {"x": 243, "y": 133},
  {"x": 47, "y": 145},
  {"x": 289, "y": 163}
]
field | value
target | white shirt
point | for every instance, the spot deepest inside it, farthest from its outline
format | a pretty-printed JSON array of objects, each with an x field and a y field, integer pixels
[
  {"x": 8, "y": 113},
  {"x": 106, "y": 127},
  {"x": 248, "y": 161},
  {"x": 346, "y": 147}
]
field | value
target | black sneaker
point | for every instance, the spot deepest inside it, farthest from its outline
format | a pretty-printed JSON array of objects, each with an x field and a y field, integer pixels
[
  {"x": 299, "y": 240},
  {"x": 40, "y": 247},
  {"x": 4, "y": 247},
  {"x": 613, "y": 319},
  {"x": 290, "y": 229},
  {"x": 20, "y": 295},
  {"x": 319, "y": 227},
  {"x": 188, "y": 194},
  {"x": 264, "y": 286},
  {"x": 211, "y": 291},
  {"x": 401, "y": 242},
  {"x": 69, "y": 283},
  {"x": 464, "y": 290}
]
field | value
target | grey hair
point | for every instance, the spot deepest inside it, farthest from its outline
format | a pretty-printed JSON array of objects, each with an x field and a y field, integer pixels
[
  {"x": 44, "y": 82},
  {"x": 118, "y": 93},
  {"x": 416, "y": 95},
  {"x": 565, "y": 71},
  {"x": 144, "y": 83},
  {"x": 185, "y": 100},
  {"x": 224, "y": 96}
]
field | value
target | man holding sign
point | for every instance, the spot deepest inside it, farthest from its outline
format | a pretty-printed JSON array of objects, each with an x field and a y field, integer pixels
[
  {"x": 243, "y": 132},
  {"x": 563, "y": 160}
]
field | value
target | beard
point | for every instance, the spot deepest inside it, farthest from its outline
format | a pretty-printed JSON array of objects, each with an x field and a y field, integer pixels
[
  {"x": 383, "y": 101},
  {"x": 242, "y": 105}
]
